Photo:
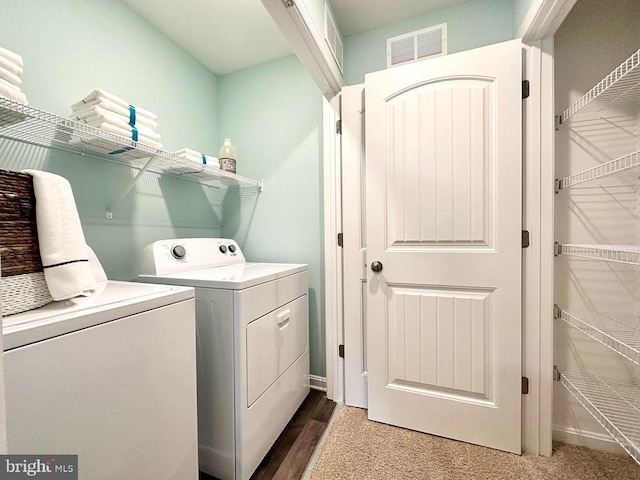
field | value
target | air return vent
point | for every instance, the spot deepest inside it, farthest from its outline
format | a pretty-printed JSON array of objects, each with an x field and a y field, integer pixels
[
  {"x": 332, "y": 36},
  {"x": 414, "y": 46}
]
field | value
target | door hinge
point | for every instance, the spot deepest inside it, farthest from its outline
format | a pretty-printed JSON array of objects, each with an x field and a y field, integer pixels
[
  {"x": 525, "y": 385},
  {"x": 339, "y": 127},
  {"x": 340, "y": 240},
  {"x": 341, "y": 351},
  {"x": 526, "y": 89},
  {"x": 288, "y": 3},
  {"x": 525, "y": 238}
]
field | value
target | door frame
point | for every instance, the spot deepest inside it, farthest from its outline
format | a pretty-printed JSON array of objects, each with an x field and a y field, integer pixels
[{"x": 538, "y": 27}]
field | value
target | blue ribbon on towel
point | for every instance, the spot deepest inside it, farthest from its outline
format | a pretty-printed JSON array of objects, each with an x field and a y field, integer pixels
[
  {"x": 204, "y": 159},
  {"x": 132, "y": 115},
  {"x": 134, "y": 133}
]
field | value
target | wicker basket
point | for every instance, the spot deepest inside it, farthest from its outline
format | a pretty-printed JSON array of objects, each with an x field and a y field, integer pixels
[{"x": 23, "y": 285}]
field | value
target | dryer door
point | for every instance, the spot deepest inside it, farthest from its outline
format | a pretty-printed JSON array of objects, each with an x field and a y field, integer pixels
[{"x": 274, "y": 342}]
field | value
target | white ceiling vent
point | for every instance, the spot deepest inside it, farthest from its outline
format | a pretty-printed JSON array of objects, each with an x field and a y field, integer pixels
[
  {"x": 332, "y": 36},
  {"x": 414, "y": 46}
]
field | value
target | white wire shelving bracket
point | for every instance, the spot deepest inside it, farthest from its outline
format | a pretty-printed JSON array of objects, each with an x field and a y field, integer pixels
[
  {"x": 615, "y": 404},
  {"x": 609, "y": 330},
  {"x": 619, "y": 165},
  {"x": 629, "y": 254},
  {"x": 32, "y": 126},
  {"x": 621, "y": 89}
]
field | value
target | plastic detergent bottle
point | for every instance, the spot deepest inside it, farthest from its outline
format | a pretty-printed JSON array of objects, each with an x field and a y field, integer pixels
[{"x": 228, "y": 157}]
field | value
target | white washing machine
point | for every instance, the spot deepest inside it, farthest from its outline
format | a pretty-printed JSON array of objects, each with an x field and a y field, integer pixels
[
  {"x": 253, "y": 357},
  {"x": 110, "y": 377}
]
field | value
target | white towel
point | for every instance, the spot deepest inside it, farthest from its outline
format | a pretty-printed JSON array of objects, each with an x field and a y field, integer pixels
[
  {"x": 10, "y": 77},
  {"x": 101, "y": 116},
  {"x": 195, "y": 156},
  {"x": 63, "y": 248},
  {"x": 101, "y": 94},
  {"x": 87, "y": 110},
  {"x": 126, "y": 132},
  {"x": 12, "y": 92},
  {"x": 9, "y": 55},
  {"x": 10, "y": 66}
]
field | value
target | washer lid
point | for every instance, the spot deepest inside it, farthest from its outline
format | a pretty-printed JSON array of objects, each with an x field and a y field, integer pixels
[
  {"x": 110, "y": 301},
  {"x": 231, "y": 277}
]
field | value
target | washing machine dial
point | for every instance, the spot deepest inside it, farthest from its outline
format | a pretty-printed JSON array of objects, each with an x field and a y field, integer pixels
[
  {"x": 223, "y": 249},
  {"x": 178, "y": 252},
  {"x": 232, "y": 248}
]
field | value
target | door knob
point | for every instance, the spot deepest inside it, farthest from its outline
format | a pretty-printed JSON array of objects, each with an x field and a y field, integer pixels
[{"x": 376, "y": 266}]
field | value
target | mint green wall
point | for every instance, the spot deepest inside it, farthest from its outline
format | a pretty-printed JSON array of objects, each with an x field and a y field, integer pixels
[
  {"x": 520, "y": 9},
  {"x": 273, "y": 115},
  {"x": 71, "y": 47},
  {"x": 470, "y": 25}
]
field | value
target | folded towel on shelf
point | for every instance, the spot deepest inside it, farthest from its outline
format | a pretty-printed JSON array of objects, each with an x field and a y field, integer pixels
[
  {"x": 101, "y": 94},
  {"x": 127, "y": 132},
  {"x": 10, "y": 77},
  {"x": 10, "y": 66},
  {"x": 88, "y": 109},
  {"x": 13, "y": 57},
  {"x": 101, "y": 116},
  {"x": 195, "y": 156},
  {"x": 12, "y": 92},
  {"x": 63, "y": 248}
]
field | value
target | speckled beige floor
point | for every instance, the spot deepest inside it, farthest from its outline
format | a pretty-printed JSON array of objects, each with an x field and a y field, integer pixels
[{"x": 356, "y": 448}]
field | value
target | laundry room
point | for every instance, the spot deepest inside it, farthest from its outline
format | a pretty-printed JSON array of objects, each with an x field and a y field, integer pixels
[{"x": 348, "y": 213}]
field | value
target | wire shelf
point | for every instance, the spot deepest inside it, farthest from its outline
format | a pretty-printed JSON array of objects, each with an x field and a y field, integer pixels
[
  {"x": 619, "y": 165},
  {"x": 629, "y": 254},
  {"x": 609, "y": 330},
  {"x": 615, "y": 404},
  {"x": 621, "y": 88},
  {"x": 36, "y": 127}
]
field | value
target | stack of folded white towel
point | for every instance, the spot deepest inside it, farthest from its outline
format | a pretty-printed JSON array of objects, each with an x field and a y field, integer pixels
[
  {"x": 10, "y": 76},
  {"x": 112, "y": 114},
  {"x": 199, "y": 158}
]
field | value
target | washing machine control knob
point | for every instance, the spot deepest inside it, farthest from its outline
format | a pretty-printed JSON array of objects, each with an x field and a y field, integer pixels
[
  {"x": 232, "y": 248},
  {"x": 178, "y": 252},
  {"x": 223, "y": 249}
]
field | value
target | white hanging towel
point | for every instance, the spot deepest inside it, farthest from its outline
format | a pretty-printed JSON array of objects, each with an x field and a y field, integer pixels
[
  {"x": 63, "y": 248},
  {"x": 99, "y": 93},
  {"x": 13, "y": 57}
]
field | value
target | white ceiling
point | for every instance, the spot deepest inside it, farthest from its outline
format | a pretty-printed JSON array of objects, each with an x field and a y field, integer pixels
[
  {"x": 228, "y": 35},
  {"x": 224, "y": 35}
]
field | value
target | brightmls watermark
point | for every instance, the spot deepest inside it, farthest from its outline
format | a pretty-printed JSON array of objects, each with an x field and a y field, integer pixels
[{"x": 45, "y": 467}]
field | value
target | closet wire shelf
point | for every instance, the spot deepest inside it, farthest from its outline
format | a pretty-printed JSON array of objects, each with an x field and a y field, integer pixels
[
  {"x": 615, "y": 404},
  {"x": 36, "y": 127},
  {"x": 629, "y": 254},
  {"x": 619, "y": 165},
  {"x": 621, "y": 89},
  {"x": 609, "y": 330}
]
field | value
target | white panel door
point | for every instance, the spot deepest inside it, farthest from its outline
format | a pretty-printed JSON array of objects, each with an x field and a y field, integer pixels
[
  {"x": 354, "y": 283},
  {"x": 444, "y": 217}
]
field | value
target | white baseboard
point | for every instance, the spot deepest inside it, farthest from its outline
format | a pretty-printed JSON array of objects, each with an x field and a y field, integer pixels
[
  {"x": 318, "y": 383},
  {"x": 595, "y": 440}
]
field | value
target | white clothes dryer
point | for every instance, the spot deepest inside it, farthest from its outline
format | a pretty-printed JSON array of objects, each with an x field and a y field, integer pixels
[
  {"x": 252, "y": 346},
  {"x": 110, "y": 377}
]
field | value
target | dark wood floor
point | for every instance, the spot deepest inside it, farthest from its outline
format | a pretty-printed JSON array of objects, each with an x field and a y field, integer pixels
[{"x": 291, "y": 453}]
